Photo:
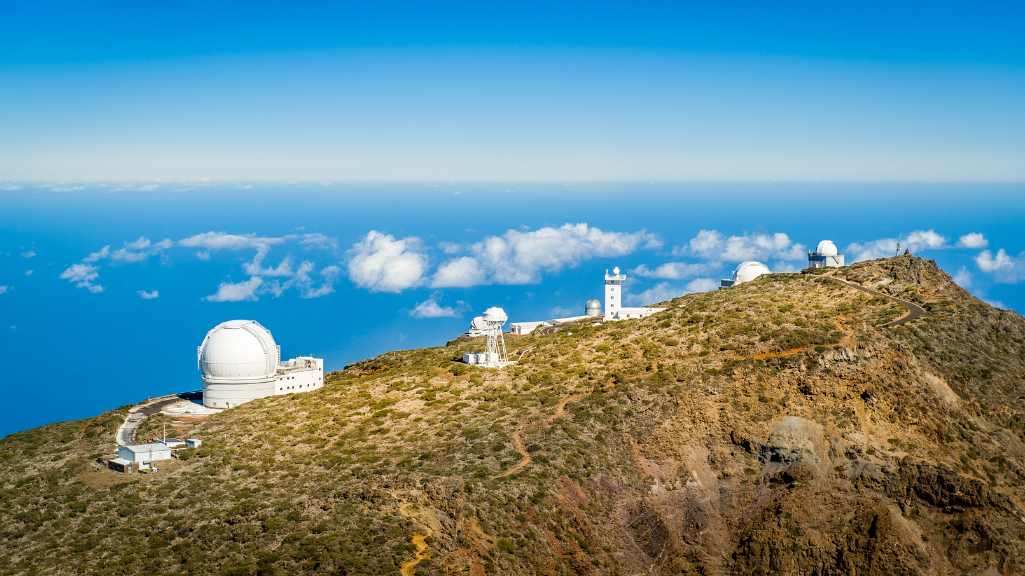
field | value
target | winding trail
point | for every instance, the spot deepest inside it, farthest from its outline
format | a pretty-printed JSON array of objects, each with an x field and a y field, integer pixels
[
  {"x": 408, "y": 568},
  {"x": 517, "y": 436},
  {"x": 914, "y": 311},
  {"x": 525, "y": 459}
]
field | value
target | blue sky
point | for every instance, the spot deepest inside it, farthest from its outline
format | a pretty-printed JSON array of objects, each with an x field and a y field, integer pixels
[{"x": 654, "y": 91}]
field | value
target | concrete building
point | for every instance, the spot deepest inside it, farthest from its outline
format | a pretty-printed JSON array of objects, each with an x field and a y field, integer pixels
[
  {"x": 141, "y": 456},
  {"x": 614, "y": 310},
  {"x": 240, "y": 361},
  {"x": 745, "y": 272},
  {"x": 825, "y": 256}
]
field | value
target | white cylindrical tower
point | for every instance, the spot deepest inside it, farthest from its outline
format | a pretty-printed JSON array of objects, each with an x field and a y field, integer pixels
[
  {"x": 238, "y": 360},
  {"x": 592, "y": 307},
  {"x": 613, "y": 293}
]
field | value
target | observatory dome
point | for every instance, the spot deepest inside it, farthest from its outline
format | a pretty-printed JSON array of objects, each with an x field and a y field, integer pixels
[
  {"x": 748, "y": 271},
  {"x": 826, "y": 248},
  {"x": 238, "y": 351},
  {"x": 592, "y": 307}
]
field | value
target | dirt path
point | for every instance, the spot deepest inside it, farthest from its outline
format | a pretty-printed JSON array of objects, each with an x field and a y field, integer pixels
[
  {"x": 125, "y": 434},
  {"x": 408, "y": 568},
  {"x": 914, "y": 311},
  {"x": 517, "y": 436},
  {"x": 525, "y": 459}
]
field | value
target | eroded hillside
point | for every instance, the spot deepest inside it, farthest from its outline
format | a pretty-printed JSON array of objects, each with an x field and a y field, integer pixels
[{"x": 796, "y": 424}]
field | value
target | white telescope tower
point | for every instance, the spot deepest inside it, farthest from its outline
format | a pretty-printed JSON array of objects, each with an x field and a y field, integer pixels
[
  {"x": 490, "y": 326},
  {"x": 494, "y": 343}
]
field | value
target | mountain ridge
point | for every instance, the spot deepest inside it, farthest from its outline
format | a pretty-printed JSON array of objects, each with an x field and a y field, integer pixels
[{"x": 864, "y": 420}]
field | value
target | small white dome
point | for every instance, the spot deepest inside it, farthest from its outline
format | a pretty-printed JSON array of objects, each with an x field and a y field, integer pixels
[
  {"x": 748, "y": 271},
  {"x": 615, "y": 270},
  {"x": 826, "y": 248},
  {"x": 478, "y": 323},
  {"x": 592, "y": 307},
  {"x": 238, "y": 351},
  {"x": 495, "y": 314}
]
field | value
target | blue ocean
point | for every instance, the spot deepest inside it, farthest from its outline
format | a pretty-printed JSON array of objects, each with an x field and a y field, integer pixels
[{"x": 107, "y": 290}]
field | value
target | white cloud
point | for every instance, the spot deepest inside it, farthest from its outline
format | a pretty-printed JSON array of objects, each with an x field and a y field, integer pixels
[
  {"x": 450, "y": 248},
  {"x": 214, "y": 241},
  {"x": 667, "y": 291},
  {"x": 963, "y": 277},
  {"x": 702, "y": 285},
  {"x": 973, "y": 240},
  {"x": 148, "y": 294},
  {"x": 28, "y": 254},
  {"x": 381, "y": 263},
  {"x": 1004, "y": 267},
  {"x": 329, "y": 274},
  {"x": 712, "y": 245},
  {"x": 657, "y": 293},
  {"x": 459, "y": 272},
  {"x": 303, "y": 281},
  {"x": 98, "y": 255},
  {"x": 318, "y": 241},
  {"x": 236, "y": 292},
  {"x": 203, "y": 255},
  {"x": 989, "y": 263},
  {"x": 672, "y": 270},
  {"x": 139, "y": 250},
  {"x": 4, "y": 288},
  {"x": 431, "y": 309},
  {"x": 83, "y": 276},
  {"x": 916, "y": 241},
  {"x": 520, "y": 257}
]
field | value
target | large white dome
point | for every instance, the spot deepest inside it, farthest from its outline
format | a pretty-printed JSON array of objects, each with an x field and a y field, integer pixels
[
  {"x": 826, "y": 248},
  {"x": 748, "y": 271},
  {"x": 238, "y": 351}
]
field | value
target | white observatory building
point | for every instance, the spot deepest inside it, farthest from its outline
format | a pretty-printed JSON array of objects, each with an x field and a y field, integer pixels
[
  {"x": 494, "y": 354},
  {"x": 614, "y": 309},
  {"x": 240, "y": 361},
  {"x": 825, "y": 256},
  {"x": 745, "y": 272}
]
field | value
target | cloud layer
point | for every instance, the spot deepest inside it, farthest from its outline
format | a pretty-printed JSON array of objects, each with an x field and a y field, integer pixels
[
  {"x": 262, "y": 278},
  {"x": 714, "y": 246},
  {"x": 521, "y": 257}
]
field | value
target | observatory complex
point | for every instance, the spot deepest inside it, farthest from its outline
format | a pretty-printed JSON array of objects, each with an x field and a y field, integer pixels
[
  {"x": 825, "y": 256},
  {"x": 240, "y": 361},
  {"x": 745, "y": 272},
  {"x": 613, "y": 310}
]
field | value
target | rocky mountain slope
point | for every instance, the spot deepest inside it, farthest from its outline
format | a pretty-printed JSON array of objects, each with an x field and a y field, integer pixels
[{"x": 799, "y": 424}]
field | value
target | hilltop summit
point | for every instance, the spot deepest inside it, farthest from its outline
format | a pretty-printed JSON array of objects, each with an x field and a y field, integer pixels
[{"x": 859, "y": 420}]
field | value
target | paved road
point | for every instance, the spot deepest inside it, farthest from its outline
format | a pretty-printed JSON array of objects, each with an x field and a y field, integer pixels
[
  {"x": 914, "y": 311},
  {"x": 126, "y": 432}
]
